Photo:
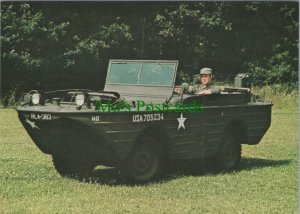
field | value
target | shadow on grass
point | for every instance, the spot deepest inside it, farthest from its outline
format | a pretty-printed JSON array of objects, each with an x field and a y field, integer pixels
[
  {"x": 112, "y": 176},
  {"x": 253, "y": 163}
]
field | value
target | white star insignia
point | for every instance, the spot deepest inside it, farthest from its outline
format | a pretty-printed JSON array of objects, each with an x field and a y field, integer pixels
[
  {"x": 32, "y": 124},
  {"x": 181, "y": 122}
]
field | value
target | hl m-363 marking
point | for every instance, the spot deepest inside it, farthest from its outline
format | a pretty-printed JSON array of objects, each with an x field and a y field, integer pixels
[{"x": 37, "y": 116}]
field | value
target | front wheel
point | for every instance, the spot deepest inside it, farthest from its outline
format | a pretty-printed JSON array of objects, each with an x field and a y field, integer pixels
[
  {"x": 230, "y": 155},
  {"x": 145, "y": 163},
  {"x": 71, "y": 168}
]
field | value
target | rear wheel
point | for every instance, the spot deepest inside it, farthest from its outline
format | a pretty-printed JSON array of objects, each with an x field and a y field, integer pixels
[
  {"x": 145, "y": 163},
  {"x": 72, "y": 168},
  {"x": 230, "y": 155}
]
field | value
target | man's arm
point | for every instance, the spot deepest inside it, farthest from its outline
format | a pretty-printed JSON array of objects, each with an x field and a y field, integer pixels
[{"x": 211, "y": 90}]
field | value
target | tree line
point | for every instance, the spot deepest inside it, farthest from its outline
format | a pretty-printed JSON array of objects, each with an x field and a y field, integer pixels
[{"x": 56, "y": 45}]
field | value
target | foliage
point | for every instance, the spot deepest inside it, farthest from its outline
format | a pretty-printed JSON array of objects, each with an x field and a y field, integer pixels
[
  {"x": 55, "y": 45},
  {"x": 278, "y": 69},
  {"x": 186, "y": 32},
  {"x": 11, "y": 99},
  {"x": 29, "y": 45},
  {"x": 96, "y": 50}
]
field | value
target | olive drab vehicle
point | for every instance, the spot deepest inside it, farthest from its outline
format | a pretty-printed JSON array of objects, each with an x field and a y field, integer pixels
[{"x": 138, "y": 123}]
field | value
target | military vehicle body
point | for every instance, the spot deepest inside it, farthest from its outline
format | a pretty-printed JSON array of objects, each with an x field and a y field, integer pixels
[{"x": 139, "y": 124}]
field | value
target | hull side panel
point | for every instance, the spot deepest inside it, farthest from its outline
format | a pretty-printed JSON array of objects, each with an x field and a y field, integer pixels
[{"x": 112, "y": 136}]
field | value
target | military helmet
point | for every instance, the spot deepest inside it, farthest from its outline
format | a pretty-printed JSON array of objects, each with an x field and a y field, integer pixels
[{"x": 206, "y": 71}]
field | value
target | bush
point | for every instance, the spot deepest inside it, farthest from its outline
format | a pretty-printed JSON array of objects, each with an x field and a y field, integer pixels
[
  {"x": 11, "y": 99},
  {"x": 279, "y": 69},
  {"x": 283, "y": 96}
]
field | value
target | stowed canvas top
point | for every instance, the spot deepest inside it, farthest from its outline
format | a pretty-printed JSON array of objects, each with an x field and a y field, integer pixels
[{"x": 147, "y": 80}]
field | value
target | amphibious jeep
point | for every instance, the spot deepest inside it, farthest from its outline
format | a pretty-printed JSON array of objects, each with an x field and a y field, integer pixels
[{"x": 138, "y": 123}]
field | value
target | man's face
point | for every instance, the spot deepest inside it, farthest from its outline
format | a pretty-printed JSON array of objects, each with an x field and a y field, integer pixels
[{"x": 205, "y": 79}]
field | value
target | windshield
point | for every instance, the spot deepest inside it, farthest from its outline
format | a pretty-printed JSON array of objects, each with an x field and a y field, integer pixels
[{"x": 142, "y": 73}]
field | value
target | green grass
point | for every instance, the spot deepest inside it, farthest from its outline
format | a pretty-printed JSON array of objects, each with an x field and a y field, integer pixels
[{"x": 265, "y": 183}]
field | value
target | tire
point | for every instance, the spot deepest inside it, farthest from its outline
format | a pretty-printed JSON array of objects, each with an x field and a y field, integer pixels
[
  {"x": 230, "y": 155},
  {"x": 71, "y": 168},
  {"x": 146, "y": 163}
]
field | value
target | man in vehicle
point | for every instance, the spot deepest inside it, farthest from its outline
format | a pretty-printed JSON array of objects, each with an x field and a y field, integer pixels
[{"x": 206, "y": 86}]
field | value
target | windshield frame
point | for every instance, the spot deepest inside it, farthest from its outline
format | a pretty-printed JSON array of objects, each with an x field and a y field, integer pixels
[{"x": 142, "y": 62}]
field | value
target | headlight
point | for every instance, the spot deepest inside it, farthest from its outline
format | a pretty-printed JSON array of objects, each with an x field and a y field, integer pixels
[
  {"x": 35, "y": 99},
  {"x": 79, "y": 99},
  {"x": 26, "y": 98}
]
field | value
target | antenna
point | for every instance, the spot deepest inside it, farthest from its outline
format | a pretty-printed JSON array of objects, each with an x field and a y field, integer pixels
[
  {"x": 204, "y": 40},
  {"x": 143, "y": 36}
]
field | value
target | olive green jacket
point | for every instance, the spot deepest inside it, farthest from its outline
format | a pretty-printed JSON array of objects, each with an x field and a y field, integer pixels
[{"x": 200, "y": 87}]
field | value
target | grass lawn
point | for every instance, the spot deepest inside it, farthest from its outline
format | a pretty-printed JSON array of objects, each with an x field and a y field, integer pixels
[{"x": 265, "y": 183}]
